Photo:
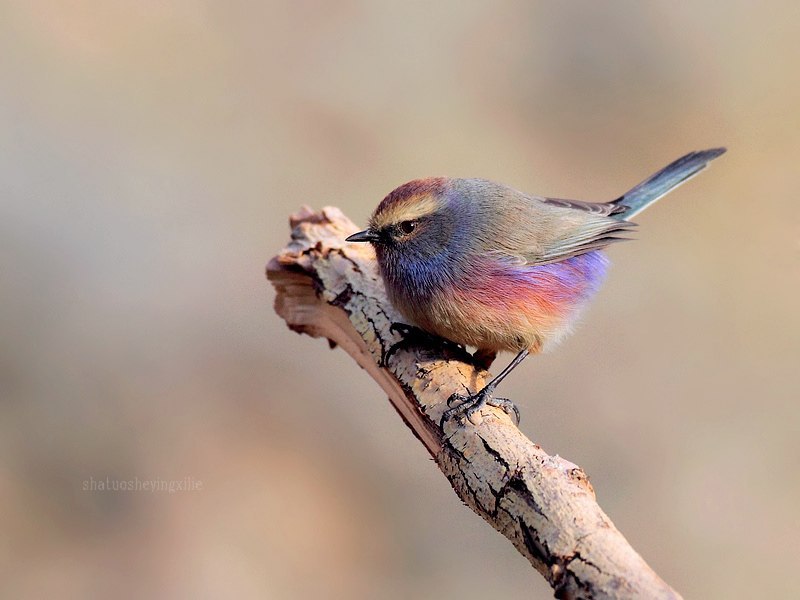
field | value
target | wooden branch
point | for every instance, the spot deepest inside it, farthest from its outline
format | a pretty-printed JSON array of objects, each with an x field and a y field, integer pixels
[{"x": 544, "y": 504}]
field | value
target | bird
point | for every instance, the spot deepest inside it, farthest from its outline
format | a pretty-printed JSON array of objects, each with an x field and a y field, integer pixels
[{"x": 483, "y": 265}]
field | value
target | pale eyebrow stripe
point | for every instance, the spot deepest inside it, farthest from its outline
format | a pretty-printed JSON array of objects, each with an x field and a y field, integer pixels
[{"x": 407, "y": 210}]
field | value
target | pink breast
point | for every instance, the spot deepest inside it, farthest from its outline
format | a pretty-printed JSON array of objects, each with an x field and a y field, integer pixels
[{"x": 529, "y": 301}]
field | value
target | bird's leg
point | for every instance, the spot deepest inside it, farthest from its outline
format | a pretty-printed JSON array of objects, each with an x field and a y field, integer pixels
[
  {"x": 483, "y": 359},
  {"x": 472, "y": 404},
  {"x": 414, "y": 336}
]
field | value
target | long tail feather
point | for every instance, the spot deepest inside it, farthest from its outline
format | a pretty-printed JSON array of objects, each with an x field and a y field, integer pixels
[{"x": 667, "y": 179}]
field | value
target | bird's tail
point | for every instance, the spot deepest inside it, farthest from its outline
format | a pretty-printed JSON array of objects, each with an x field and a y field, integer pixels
[{"x": 651, "y": 189}]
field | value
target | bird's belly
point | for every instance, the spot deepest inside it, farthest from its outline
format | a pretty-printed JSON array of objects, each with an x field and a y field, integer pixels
[{"x": 497, "y": 306}]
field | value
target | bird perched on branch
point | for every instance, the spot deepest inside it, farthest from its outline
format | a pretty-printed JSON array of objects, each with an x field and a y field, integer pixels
[{"x": 483, "y": 265}]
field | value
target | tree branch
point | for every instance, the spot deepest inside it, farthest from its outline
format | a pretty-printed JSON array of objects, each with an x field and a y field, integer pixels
[{"x": 544, "y": 504}]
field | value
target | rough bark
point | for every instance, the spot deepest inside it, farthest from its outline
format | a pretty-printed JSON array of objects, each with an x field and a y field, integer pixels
[{"x": 544, "y": 504}]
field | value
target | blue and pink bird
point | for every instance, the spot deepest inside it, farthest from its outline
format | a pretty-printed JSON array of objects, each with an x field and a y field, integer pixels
[{"x": 484, "y": 265}]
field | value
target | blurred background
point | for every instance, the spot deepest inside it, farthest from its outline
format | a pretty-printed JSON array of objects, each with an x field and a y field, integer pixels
[{"x": 150, "y": 154}]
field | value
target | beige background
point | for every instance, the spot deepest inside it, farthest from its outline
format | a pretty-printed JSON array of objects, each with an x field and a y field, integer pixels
[{"x": 150, "y": 153}]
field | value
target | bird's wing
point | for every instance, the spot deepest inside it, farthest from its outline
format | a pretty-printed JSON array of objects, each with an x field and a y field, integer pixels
[
  {"x": 599, "y": 208},
  {"x": 548, "y": 230},
  {"x": 534, "y": 230},
  {"x": 593, "y": 234}
]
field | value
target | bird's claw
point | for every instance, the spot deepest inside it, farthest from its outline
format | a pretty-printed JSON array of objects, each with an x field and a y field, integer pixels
[
  {"x": 507, "y": 406},
  {"x": 469, "y": 406}
]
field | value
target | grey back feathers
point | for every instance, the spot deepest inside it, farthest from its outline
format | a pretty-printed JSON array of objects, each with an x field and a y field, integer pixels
[
  {"x": 535, "y": 230},
  {"x": 600, "y": 208},
  {"x": 528, "y": 229}
]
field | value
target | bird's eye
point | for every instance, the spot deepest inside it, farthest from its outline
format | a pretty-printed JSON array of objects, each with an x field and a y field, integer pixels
[{"x": 408, "y": 226}]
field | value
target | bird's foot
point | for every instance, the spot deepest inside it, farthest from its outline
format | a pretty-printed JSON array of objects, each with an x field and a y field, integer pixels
[
  {"x": 414, "y": 336},
  {"x": 470, "y": 406}
]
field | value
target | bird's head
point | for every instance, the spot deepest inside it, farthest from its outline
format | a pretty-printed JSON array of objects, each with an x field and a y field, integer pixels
[{"x": 413, "y": 223}]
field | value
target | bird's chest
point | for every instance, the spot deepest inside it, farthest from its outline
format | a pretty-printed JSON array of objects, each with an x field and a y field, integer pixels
[
  {"x": 417, "y": 287},
  {"x": 486, "y": 303}
]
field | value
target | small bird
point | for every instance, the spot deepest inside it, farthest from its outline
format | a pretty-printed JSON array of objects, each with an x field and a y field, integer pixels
[{"x": 483, "y": 265}]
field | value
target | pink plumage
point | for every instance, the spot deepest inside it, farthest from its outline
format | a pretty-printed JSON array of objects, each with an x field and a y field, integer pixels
[{"x": 498, "y": 307}]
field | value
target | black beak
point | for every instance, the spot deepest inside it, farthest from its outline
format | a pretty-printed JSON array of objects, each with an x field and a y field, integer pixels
[{"x": 368, "y": 235}]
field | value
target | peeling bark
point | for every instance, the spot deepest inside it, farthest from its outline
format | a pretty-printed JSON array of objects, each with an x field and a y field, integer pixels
[{"x": 544, "y": 504}]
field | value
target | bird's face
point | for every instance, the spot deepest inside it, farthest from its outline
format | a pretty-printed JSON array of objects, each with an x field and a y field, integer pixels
[{"x": 411, "y": 227}]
